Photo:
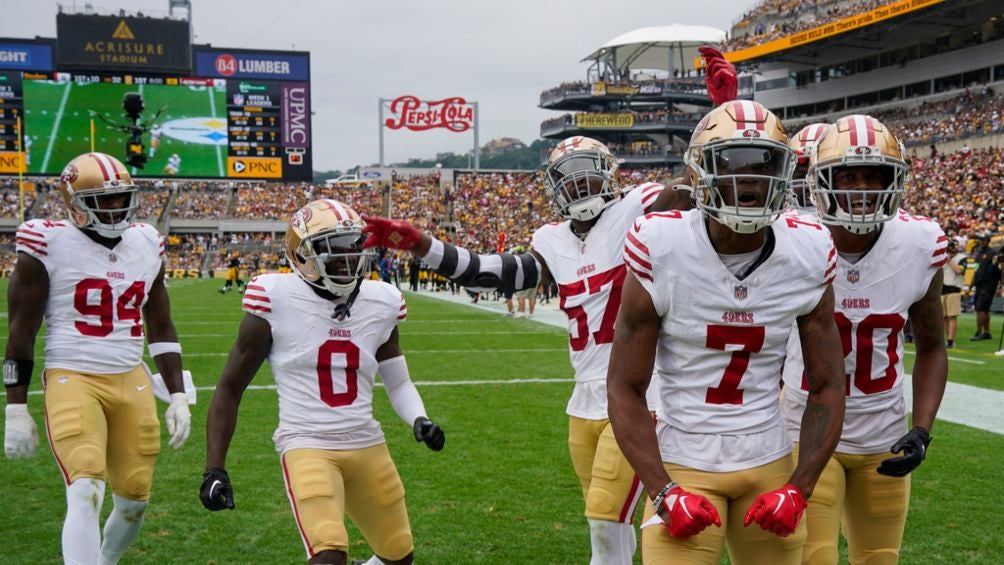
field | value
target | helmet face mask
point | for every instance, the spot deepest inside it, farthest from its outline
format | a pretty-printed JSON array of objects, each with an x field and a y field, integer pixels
[
  {"x": 740, "y": 166},
  {"x": 581, "y": 176},
  {"x": 99, "y": 193},
  {"x": 324, "y": 246},
  {"x": 858, "y": 174}
]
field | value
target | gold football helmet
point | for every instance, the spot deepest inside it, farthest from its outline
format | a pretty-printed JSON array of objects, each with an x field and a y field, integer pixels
[
  {"x": 857, "y": 141},
  {"x": 99, "y": 193},
  {"x": 581, "y": 176},
  {"x": 803, "y": 143},
  {"x": 735, "y": 149},
  {"x": 324, "y": 244}
]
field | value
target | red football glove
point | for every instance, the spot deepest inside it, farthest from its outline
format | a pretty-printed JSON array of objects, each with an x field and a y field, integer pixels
[
  {"x": 686, "y": 513},
  {"x": 395, "y": 234},
  {"x": 777, "y": 511},
  {"x": 719, "y": 75}
]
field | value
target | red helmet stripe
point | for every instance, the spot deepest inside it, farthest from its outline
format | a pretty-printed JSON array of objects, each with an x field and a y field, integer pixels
[
  {"x": 740, "y": 114},
  {"x": 853, "y": 130}
]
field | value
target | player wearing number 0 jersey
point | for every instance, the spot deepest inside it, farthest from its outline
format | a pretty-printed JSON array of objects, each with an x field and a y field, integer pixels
[
  {"x": 95, "y": 279},
  {"x": 710, "y": 300},
  {"x": 326, "y": 332},
  {"x": 583, "y": 255},
  {"x": 888, "y": 270}
]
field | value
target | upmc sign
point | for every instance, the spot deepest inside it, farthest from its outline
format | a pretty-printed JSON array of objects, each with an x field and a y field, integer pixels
[
  {"x": 262, "y": 65},
  {"x": 454, "y": 114}
]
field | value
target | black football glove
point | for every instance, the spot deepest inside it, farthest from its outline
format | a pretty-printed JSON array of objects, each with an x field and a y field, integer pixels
[
  {"x": 216, "y": 492},
  {"x": 430, "y": 433},
  {"x": 914, "y": 447}
]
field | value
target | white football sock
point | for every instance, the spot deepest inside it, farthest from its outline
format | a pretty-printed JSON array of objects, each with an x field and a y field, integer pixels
[
  {"x": 121, "y": 528},
  {"x": 613, "y": 543},
  {"x": 81, "y": 534},
  {"x": 374, "y": 561}
]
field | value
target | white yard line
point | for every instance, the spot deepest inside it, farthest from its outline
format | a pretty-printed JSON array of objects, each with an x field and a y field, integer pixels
[
  {"x": 55, "y": 126},
  {"x": 963, "y": 404}
]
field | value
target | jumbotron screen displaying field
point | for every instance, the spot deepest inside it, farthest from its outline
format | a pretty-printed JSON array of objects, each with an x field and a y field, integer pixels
[{"x": 193, "y": 125}]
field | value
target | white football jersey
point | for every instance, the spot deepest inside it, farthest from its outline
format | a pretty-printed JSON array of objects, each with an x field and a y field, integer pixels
[
  {"x": 873, "y": 297},
  {"x": 94, "y": 315},
  {"x": 324, "y": 369},
  {"x": 589, "y": 275},
  {"x": 722, "y": 340}
]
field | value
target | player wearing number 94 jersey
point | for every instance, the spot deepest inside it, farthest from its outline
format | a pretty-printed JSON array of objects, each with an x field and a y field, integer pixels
[
  {"x": 95, "y": 278},
  {"x": 888, "y": 269},
  {"x": 326, "y": 332},
  {"x": 712, "y": 295}
]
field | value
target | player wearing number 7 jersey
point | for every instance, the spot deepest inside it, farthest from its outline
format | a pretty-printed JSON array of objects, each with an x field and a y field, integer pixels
[
  {"x": 713, "y": 295},
  {"x": 326, "y": 332},
  {"x": 584, "y": 256},
  {"x": 94, "y": 279},
  {"x": 888, "y": 269}
]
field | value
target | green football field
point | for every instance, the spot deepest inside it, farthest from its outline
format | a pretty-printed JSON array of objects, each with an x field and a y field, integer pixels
[
  {"x": 503, "y": 489},
  {"x": 57, "y": 119}
]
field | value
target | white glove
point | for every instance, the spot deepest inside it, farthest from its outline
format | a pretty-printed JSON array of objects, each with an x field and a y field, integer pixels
[
  {"x": 179, "y": 420},
  {"x": 20, "y": 435}
]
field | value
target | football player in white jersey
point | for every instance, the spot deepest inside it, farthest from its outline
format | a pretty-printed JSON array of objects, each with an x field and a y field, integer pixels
[
  {"x": 94, "y": 279},
  {"x": 583, "y": 255},
  {"x": 326, "y": 332},
  {"x": 802, "y": 143},
  {"x": 712, "y": 295},
  {"x": 888, "y": 269}
]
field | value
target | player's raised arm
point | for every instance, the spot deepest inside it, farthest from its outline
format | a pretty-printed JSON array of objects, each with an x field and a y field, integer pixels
[
  {"x": 254, "y": 340},
  {"x": 26, "y": 298},
  {"x": 823, "y": 418},
  {"x": 504, "y": 271}
]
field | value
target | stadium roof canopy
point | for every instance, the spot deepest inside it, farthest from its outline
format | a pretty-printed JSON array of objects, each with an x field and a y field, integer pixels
[{"x": 667, "y": 47}]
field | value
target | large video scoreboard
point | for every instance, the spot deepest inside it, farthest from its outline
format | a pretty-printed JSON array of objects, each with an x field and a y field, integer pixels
[{"x": 235, "y": 114}]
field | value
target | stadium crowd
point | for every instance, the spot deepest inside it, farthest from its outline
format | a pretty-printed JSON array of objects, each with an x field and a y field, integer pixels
[
  {"x": 975, "y": 111},
  {"x": 772, "y": 19}
]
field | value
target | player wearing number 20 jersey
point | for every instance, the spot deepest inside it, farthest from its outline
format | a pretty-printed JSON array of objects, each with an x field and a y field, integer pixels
[
  {"x": 888, "y": 270},
  {"x": 326, "y": 332}
]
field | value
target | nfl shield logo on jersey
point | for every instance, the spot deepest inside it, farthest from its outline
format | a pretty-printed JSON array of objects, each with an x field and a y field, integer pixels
[
  {"x": 740, "y": 292},
  {"x": 853, "y": 275}
]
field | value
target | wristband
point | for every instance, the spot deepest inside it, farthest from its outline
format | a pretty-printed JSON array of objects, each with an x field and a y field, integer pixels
[
  {"x": 162, "y": 347},
  {"x": 17, "y": 372},
  {"x": 659, "y": 498}
]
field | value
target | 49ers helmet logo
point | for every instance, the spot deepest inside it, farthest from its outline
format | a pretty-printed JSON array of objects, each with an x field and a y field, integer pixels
[{"x": 69, "y": 175}]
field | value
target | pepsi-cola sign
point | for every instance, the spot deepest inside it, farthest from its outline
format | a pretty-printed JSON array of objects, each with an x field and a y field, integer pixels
[{"x": 454, "y": 114}]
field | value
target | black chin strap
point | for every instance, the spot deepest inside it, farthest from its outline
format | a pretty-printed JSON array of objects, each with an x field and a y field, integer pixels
[{"x": 342, "y": 309}]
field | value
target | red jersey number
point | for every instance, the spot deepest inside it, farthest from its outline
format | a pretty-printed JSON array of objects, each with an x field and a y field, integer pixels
[
  {"x": 750, "y": 339},
  {"x": 325, "y": 378},
  {"x": 594, "y": 284},
  {"x": 127, "y": 307}
]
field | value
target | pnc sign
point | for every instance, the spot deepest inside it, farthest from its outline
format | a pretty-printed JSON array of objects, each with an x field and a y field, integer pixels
[{"x": 454, "y": 114}]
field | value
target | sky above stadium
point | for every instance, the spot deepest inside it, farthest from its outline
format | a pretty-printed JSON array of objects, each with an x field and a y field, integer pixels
[{"x": 500, "y": 54}]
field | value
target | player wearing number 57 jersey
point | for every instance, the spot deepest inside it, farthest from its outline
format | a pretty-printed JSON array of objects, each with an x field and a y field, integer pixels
[
  {"x": 584, "y": 256},
  {"x": 888, "y": 269},
  {"x": 95, "y": 279},
  {"x": 712, "y": 297},
  {"x": 326, "y": 333}
]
